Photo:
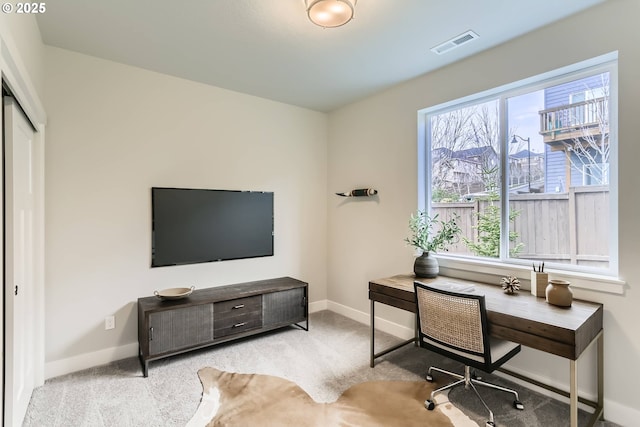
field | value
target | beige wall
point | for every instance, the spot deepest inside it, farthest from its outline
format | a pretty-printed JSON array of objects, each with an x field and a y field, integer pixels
[
  {"x": 114, "y": 132},
  {"x": 374, "y": 143}
]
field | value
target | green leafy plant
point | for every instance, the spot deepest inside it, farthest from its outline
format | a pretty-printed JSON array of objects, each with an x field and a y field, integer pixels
[
  {"x": 488, "y": 222},
  {"x": 431, "y": 233},
  {"x": 488, "y": 228}
]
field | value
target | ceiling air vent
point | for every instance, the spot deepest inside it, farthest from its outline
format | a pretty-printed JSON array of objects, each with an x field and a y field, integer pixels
[{"x": 454, "y": 42}]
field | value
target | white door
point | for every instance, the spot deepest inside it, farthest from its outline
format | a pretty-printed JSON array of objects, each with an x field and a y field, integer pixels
[{"x": 19, "y": 263}]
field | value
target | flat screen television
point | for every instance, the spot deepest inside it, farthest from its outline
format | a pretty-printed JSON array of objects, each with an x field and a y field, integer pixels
[{"x": 191, "y": 226}]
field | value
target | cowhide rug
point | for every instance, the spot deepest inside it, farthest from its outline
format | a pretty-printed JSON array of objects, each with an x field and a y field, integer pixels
[{"x": 231, "y": 399}]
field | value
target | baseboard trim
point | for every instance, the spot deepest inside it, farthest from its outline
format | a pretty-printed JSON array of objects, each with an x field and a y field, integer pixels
[
  {"x": 623, "y": 415},
  {"x": 383, "y": 325},
  {"x": 102, "y": 357},
  {"x": 615, "y": 412},
  {"x": 89, "y": 360},
  {"x": 317, "y": 306}
]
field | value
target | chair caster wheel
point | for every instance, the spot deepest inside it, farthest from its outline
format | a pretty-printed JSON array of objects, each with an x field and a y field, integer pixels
[
  {"x": 429, "y": 405},
  {"x": 429, "y": 378},
  {"x": 518, "y": 405},
  {"x": 490, "y": 424}
]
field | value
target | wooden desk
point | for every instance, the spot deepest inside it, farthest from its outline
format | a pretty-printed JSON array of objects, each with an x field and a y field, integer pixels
[{"x": 520, "y": 318}]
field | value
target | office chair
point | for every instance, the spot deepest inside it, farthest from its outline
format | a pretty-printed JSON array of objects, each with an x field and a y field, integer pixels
[{"x": 455, "y": 325}]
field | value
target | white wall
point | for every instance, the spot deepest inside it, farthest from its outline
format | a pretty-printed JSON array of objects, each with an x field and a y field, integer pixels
[
  {"x": 114, "y": 132},
  {"x": 374, "y": 143}
]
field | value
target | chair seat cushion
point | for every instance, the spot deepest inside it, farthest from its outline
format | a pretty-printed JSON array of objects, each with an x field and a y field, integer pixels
[{"x": 500, "y": 351}]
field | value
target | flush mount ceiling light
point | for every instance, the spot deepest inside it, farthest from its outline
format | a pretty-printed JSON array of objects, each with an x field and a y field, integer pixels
[{"x": 330, "y": 13}]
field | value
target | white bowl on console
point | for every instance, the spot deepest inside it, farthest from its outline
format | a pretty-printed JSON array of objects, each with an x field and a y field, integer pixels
[{"x": 174, "y": 293}]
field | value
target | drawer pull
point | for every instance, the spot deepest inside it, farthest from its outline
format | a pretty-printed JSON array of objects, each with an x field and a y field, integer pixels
[
  {"x": 151, "y": 333},
  {"x": 235, "y": 307},
  {"x": 237, "y": 325}
]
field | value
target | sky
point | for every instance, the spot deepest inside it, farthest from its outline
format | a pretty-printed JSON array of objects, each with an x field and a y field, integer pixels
[{"x": 524, "y": 119}]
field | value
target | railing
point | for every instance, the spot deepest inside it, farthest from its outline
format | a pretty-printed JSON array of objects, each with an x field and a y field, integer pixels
[
  {"x": 566, "y": 228},
  {"x": 585, "y": 114}
]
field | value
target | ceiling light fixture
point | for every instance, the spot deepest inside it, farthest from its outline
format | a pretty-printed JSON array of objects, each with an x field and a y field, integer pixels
[{"x": 330, "y": 13}]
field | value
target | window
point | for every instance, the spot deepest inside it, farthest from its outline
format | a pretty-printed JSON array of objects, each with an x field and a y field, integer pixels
[
  {"x": 527, "y": 168},
  {"x": 595, "y": 174}
]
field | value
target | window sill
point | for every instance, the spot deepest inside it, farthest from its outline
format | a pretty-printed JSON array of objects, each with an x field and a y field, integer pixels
[{"x": 592, "y": 282}]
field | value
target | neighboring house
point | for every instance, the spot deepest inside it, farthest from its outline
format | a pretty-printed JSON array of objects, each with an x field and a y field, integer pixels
[
  {"x": 526, "y": 167},
  {"x": 575, "y": 130},
  {"x": 463, "y": 172}
]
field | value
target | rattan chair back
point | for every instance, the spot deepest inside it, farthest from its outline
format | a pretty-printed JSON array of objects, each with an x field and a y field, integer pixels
[{"x": 453, "y": 320}]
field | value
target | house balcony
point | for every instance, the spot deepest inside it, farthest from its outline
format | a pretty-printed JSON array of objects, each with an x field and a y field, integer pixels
[{"x": 566, "y": 125}]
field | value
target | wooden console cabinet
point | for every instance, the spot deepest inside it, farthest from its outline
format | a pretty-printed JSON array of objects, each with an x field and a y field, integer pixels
[{"x": 216, "y": 315}]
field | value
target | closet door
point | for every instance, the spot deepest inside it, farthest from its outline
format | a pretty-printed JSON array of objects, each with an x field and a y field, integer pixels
[{"x": 19, "y": 339}]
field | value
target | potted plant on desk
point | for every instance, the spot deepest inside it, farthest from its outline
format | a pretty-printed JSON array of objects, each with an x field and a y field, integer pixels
[{"x": 430, "y": 234}]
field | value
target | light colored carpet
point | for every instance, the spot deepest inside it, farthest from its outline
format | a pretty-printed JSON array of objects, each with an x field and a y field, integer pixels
[{"x": 326, "y": 361}]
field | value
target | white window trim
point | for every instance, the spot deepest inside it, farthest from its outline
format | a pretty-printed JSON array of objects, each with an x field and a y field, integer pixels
[
  {"x": 486, "y": 266},
  {"x": 605, "y": 281}
]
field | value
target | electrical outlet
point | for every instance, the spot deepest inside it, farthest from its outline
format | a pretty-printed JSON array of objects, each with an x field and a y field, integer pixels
[{"x": 109, "y": 322}]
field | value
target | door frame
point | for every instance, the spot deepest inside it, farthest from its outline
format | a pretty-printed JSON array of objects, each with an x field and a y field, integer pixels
[{"x": 15, "y": 76}]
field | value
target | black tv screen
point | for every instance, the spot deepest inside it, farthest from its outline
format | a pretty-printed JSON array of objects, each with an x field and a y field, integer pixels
[{"x": 193, "y": 225}]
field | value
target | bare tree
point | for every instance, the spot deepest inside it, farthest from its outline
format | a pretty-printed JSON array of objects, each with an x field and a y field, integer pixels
[
  {"x": 470, "y": 127},
  {"x": 589, "y": 151},
  {"x": 449, "y": 133}
]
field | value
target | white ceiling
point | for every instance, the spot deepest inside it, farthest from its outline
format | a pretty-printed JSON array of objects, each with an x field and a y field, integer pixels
[{"x": 268, "y": 48}]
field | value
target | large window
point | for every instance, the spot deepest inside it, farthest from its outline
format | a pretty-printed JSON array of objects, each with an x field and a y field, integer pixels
[{"x": 528, "y": 169}]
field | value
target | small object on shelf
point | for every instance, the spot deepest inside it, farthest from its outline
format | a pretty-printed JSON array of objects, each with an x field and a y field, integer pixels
[
  {"x": 539, "y": 282},
  {"x": 426, "y": 266},
  {"x": 510, "y": 284},
  {"x": 174, "y": 293},
  {"x": 360, "y": 192},
  {"x": 559, "y": 293}
]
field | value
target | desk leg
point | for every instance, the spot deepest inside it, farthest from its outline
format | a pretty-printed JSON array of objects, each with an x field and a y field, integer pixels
[
  {"x": 573, "y": 392},
  {"x": 600, "y": 407},
  {"x": 375, "y": 355},
  {"x": 373, "y": 333},
  {"x": 598, "y": 414}
]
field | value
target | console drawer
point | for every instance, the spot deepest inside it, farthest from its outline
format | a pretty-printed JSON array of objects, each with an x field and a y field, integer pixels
[
  {"x": 237, "y": 306},
  {"x": 237, "y": 315},
  {"x": 236, "y": 324}
]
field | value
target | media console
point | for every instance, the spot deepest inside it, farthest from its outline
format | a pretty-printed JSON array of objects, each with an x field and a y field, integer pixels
[{"x": 216, "y": 315}]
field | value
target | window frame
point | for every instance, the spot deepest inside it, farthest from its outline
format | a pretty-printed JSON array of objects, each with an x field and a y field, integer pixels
[{"x": 585, "y": 277}]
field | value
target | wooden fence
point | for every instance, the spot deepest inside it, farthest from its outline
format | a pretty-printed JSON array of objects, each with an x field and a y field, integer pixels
[{"x": 570, "y": 228}]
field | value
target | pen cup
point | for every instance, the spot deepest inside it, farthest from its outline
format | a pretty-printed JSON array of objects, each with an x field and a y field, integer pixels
[{"x": 539, "y": 282}]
